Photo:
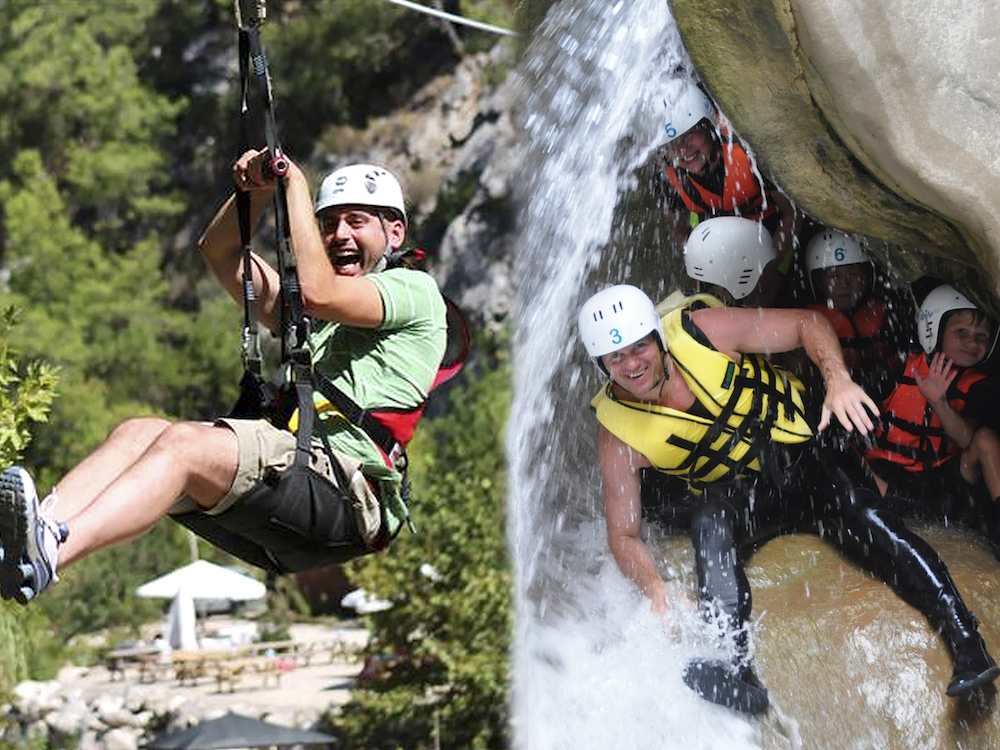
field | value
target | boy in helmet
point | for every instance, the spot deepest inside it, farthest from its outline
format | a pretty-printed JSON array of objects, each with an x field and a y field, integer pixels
[
  {"x": 707, "y": 172},
  {"x": 841, "y": 277},
  {"x": 691, "y": 395},
  {"x": 938, "y": 428},
  {"x": 378, "y": 336}
]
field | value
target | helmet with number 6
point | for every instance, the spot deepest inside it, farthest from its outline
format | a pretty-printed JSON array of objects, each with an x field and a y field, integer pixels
[
  {"x": 936, "y": 305},
  {"x": 690, "y": 108},
  {"x": 729, "y": 251},
  {"x": 831, "y": 248},
  {"x": 616, "y": 317}
]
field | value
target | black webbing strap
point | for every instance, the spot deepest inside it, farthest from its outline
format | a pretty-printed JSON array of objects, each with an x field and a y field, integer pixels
[
  {"x": 294, "y": 327},
  {"x": 754, "y": 428},
  {"x": 251, "y": 334},
  {"x": 377, "y": 431}
]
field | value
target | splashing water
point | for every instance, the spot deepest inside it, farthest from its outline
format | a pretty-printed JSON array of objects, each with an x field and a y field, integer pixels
[{"x": 594, "y": 668}]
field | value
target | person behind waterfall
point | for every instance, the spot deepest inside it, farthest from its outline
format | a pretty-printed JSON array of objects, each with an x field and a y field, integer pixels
[
  {"x": 691, "y": 395},
  {"x": 379, "y": 335},
  {"x": 841, "y": 277},
  {"x": 728, "y": 257},
  {"x": 936, "y": 452},
  {"x": 725, "y": 257},
  {"x": 706, "y": 172}
]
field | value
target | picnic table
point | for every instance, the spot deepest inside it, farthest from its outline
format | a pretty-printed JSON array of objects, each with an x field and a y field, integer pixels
[{"x": 148, "y": 660}]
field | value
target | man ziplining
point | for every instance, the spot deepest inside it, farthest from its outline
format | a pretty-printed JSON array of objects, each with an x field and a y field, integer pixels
[{"x": 378, "y": 335}]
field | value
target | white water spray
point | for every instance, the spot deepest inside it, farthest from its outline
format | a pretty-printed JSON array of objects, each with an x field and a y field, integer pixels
[{"x": 594, "y": 668}]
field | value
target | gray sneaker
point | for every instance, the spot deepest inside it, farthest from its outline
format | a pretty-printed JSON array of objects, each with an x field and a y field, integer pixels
[{"x": 29, "y": 540}]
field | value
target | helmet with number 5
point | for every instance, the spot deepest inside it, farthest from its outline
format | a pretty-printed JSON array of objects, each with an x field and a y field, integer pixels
[
  {"x": 690, "y": 108},
  {"x": 936, "y": 305},
  {"x": 831, "y": 248},
  {"x": 616, "y": 317},
  {"x": 729, "y": 251}
]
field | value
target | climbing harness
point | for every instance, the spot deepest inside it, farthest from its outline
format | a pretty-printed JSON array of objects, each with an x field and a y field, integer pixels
[{"x": 298, "y": 519}]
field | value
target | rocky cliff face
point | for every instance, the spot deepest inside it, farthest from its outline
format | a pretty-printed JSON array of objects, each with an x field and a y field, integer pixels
[
  {"x": 451, "y": 148},
  {"x": 875, "y": 118}
]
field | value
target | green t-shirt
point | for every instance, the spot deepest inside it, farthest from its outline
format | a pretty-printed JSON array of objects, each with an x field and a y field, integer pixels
[{"x": 389, "y": 367}]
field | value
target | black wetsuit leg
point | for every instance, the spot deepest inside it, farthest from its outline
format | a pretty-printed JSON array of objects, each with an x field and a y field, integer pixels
[
  {"x": 845, "y": 496},
  {"x": 727, "y": 523},
  {"x": 845, "y": 505},
  {"x": 717, "y": 528}
]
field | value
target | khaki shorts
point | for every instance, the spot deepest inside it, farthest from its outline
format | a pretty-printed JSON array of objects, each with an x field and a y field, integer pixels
[{"x": 263, "y": 448}]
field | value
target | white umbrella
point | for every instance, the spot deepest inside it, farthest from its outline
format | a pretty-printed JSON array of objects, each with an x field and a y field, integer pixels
[
  {"x": 204, "y": 580},
  {"x": 181, "y": 621}
]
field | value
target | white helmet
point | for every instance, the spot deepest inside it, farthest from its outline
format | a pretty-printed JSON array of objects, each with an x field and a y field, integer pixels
[
  {"x": 615, "y": 317},
  {"x": 831, "y": 248},
  {"x": 690, "y": 108},
  {"x": 941, "y": 300},
  {"x": 361, "y": 185},
  {"x": 729, "y": 251}
]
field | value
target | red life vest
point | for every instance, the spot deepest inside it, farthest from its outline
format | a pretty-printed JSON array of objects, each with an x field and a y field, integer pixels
[
  {"x": 859, "y": 332},
  {"x": 742, "y": 192},
  {"x": 910, "y": 433}
]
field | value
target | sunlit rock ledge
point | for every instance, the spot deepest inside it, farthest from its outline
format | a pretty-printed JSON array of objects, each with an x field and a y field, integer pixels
[
  {"x": 848, "y": 663},
  {"x": 876, "y": 117}
]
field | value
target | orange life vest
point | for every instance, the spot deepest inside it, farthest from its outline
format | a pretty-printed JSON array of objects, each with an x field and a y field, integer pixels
[
  {"x": 742, "y": 191},
  {"x": 858, "y": 332},
  {"x": 910, "y": 433}
]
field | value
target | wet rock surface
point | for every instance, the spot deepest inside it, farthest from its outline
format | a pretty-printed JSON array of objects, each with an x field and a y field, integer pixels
[{"x": 850, "y": 665}]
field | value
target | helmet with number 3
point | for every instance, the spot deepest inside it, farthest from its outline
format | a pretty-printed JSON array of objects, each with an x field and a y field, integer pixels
[
  {"x": 616, "y": 317},
  {"x": 690, "y": 108}
]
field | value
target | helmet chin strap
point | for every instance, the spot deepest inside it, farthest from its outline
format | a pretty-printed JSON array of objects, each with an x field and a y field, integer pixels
[{"x": 382, "y": 262}]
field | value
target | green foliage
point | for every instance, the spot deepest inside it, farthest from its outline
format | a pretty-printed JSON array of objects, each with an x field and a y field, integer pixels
[
  {"x": 99, "y": 592},
  {"x": 445, "y": 640},
  {"x": 26, "y": 392}
]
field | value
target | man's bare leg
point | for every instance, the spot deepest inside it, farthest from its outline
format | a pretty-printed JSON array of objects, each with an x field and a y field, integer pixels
[
  {"x": 187, "y": 458},
  {"x": 91, "y": 477}
]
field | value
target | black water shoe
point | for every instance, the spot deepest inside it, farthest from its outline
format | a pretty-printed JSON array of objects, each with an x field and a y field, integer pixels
[
  {"x": 722, "y": 683},
  {"x": 974, "y": 667}
]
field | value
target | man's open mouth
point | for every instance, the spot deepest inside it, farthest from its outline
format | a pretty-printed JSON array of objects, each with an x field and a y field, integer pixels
[{"x": 346, "y": 259}]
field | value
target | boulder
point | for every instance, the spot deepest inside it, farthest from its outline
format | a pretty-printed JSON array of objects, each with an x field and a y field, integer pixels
[
  {"x": 849, "y": 664},
  {"x": 862, "y": 132}
]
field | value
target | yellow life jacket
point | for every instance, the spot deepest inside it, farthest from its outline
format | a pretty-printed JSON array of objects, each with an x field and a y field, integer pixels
[{"x": 748, "y": 406}]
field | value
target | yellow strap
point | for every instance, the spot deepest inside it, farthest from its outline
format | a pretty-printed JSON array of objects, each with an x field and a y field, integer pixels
[{"x": 321, "y": 407}]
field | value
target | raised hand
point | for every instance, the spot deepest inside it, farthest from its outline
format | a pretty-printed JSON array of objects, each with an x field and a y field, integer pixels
[{"x": 941, "y": 373}]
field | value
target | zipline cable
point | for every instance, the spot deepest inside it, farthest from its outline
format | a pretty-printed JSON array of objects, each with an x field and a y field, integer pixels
[{"x": 453, "y": 18}]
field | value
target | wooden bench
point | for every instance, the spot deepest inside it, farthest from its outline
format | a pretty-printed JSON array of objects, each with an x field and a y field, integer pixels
[
  {"x": 190, "y": 666},
  {"x": 232, "y": 671},
  {"x": 146, "y": 659}
]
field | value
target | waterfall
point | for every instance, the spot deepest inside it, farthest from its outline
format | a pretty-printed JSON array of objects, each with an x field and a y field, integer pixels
[{"x": 594, "y": 668}]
